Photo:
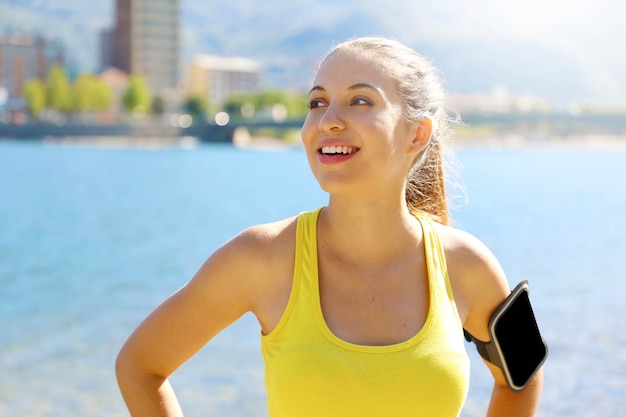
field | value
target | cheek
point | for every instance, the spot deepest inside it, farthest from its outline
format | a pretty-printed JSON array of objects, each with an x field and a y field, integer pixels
[
  {"x": 385, "y": 131},
  {"x": 307, "y": 135}
]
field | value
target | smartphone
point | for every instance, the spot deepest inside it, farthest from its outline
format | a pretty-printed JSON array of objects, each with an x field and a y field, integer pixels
[{"x": 516, "y": 345}]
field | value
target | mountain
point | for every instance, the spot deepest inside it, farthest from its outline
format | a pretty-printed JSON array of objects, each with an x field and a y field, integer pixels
[{"x": 555, "y": 49}]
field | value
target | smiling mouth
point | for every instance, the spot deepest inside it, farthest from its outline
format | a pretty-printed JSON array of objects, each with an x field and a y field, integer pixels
[{"x": 337, "y": 150}]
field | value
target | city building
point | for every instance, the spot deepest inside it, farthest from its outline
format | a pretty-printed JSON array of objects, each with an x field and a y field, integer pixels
[
  {"x": 145, "y": 41},
  {"x": 217, "y": 78},
  {"x": 24, "y": 57},
  {"x": 106, "y": 39}
]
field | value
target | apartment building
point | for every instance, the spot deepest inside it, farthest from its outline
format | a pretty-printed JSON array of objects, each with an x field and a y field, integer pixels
[
  {"x": 218, "y": 78},
  {"x": 24, "y": 57},
  {"x": 146, "y": 41}
]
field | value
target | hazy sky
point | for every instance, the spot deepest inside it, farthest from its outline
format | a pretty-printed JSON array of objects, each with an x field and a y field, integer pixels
[
  {"x": 549, "y": 46},
  {"x": 590, "y": 33}
]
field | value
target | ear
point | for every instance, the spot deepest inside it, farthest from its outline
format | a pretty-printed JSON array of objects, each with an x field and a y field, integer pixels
[{"x": 423, "y": 131}]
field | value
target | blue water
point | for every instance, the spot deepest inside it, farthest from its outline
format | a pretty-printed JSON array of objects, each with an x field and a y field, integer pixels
[{"x": 91, "y": 240}]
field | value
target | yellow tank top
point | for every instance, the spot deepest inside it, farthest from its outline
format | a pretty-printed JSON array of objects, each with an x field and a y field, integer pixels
[{"x": 310, "y": 372}]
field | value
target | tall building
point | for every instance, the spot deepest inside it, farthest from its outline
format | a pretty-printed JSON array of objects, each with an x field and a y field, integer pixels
[
  {"x": 24, "y": 57},
  {"x": 146, "y": 40},
  {"x": 106, "y": 38},
  {"x": 217, "y": 78}
]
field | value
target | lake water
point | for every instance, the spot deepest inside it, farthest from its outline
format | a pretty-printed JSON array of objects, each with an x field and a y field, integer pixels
[{"x": 91, "y": 240}]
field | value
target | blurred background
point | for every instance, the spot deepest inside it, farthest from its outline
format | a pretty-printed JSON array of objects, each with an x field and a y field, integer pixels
[
  {"x": 136, "y": 136},
  {"x": 533, "y": 67}
]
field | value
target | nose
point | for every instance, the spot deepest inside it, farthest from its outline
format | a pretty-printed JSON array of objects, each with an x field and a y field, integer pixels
[{"x": 332, "y": 119}]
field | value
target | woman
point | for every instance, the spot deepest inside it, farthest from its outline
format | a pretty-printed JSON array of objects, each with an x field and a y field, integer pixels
[{"x": 361, "y": 303}]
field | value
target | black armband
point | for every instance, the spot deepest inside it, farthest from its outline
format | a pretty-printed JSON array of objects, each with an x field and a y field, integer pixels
[{"x": 516, "y": 345}]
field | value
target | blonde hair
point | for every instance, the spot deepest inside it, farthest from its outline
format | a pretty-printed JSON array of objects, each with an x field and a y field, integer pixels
[{"x": 423, "y": 94}]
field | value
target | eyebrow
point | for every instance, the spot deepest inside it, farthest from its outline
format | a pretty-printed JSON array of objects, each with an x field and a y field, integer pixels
[{"x": 356, "y": 86}]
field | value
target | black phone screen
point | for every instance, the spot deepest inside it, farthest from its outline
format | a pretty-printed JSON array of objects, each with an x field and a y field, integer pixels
[{"x": 521, "y": 343}]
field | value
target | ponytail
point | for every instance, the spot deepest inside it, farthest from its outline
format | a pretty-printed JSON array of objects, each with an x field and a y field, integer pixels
[{"x": 426, "y": 186}]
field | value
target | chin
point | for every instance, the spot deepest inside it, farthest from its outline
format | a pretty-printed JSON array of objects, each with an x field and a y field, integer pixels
[{"x": 334, "y": 185}]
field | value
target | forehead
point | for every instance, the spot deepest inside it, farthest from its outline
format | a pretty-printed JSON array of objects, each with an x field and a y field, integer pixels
[{"x": 342, "y": 69}]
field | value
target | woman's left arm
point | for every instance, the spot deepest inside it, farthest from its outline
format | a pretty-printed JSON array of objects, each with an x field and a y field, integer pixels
[
  {"x": 506, "y": 402},
  {"x": 479, "y": 286}
]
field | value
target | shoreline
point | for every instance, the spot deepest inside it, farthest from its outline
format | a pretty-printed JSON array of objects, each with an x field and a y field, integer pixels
[
  {"x": 504, "y": 141},
  {"x": 116, "y": 142},
  {"x": 501, "y": 141},
  {"x": 520, "y": 141}
]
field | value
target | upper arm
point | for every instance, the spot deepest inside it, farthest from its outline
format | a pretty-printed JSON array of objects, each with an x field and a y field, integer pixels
[
  {"x": 217, "y": 295},
  {"x": 478, "y": 282},
  {"x": 479, "y": 285}
]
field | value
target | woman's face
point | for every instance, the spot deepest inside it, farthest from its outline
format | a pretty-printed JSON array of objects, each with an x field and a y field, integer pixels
[{"x": 355, "y": 134}]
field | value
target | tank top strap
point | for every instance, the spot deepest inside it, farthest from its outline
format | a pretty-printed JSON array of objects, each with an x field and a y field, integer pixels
[
  {"x": 305, "y": 264},
  {"x": 306, "y": 240},
  {"x": 436, "y": 259}
]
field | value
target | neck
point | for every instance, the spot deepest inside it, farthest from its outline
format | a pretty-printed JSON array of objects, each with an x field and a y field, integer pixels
[{"x": 368, "y": 233}]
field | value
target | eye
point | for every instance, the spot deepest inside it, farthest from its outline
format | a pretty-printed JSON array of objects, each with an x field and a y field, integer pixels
[
  {"x": 316, "y": 103},
  {"x": 360, "y": 101}
]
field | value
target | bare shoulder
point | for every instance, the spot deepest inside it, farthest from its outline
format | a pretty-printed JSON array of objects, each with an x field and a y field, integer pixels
[
  {"x": 468, "y": 253},
  {"x": 265, "y": 244},
  {"x": 261, "y": 249},
  {"x": 259, "y": 262},
  {"x": 478, "y": 281}
]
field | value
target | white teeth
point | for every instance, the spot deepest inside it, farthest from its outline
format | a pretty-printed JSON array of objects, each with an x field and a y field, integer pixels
[{"x": 337, "y": 149}]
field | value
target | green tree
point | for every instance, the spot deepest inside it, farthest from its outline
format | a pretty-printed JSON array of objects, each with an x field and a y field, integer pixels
[
  {"x": 35, "y": 95},
  {"x": 102, "y": 95},
  {"x": 58, "y": 90},
  {"x": 269, "y": 98},
  {"x": 295, "y": 104},
  {"x": 90, "y": 94},
  {"x": 241, "y": 105},
  {"x": 137, "y": 97},
  {"x": 197, "y": 106},
  {"x": 82, "y": 93}
]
